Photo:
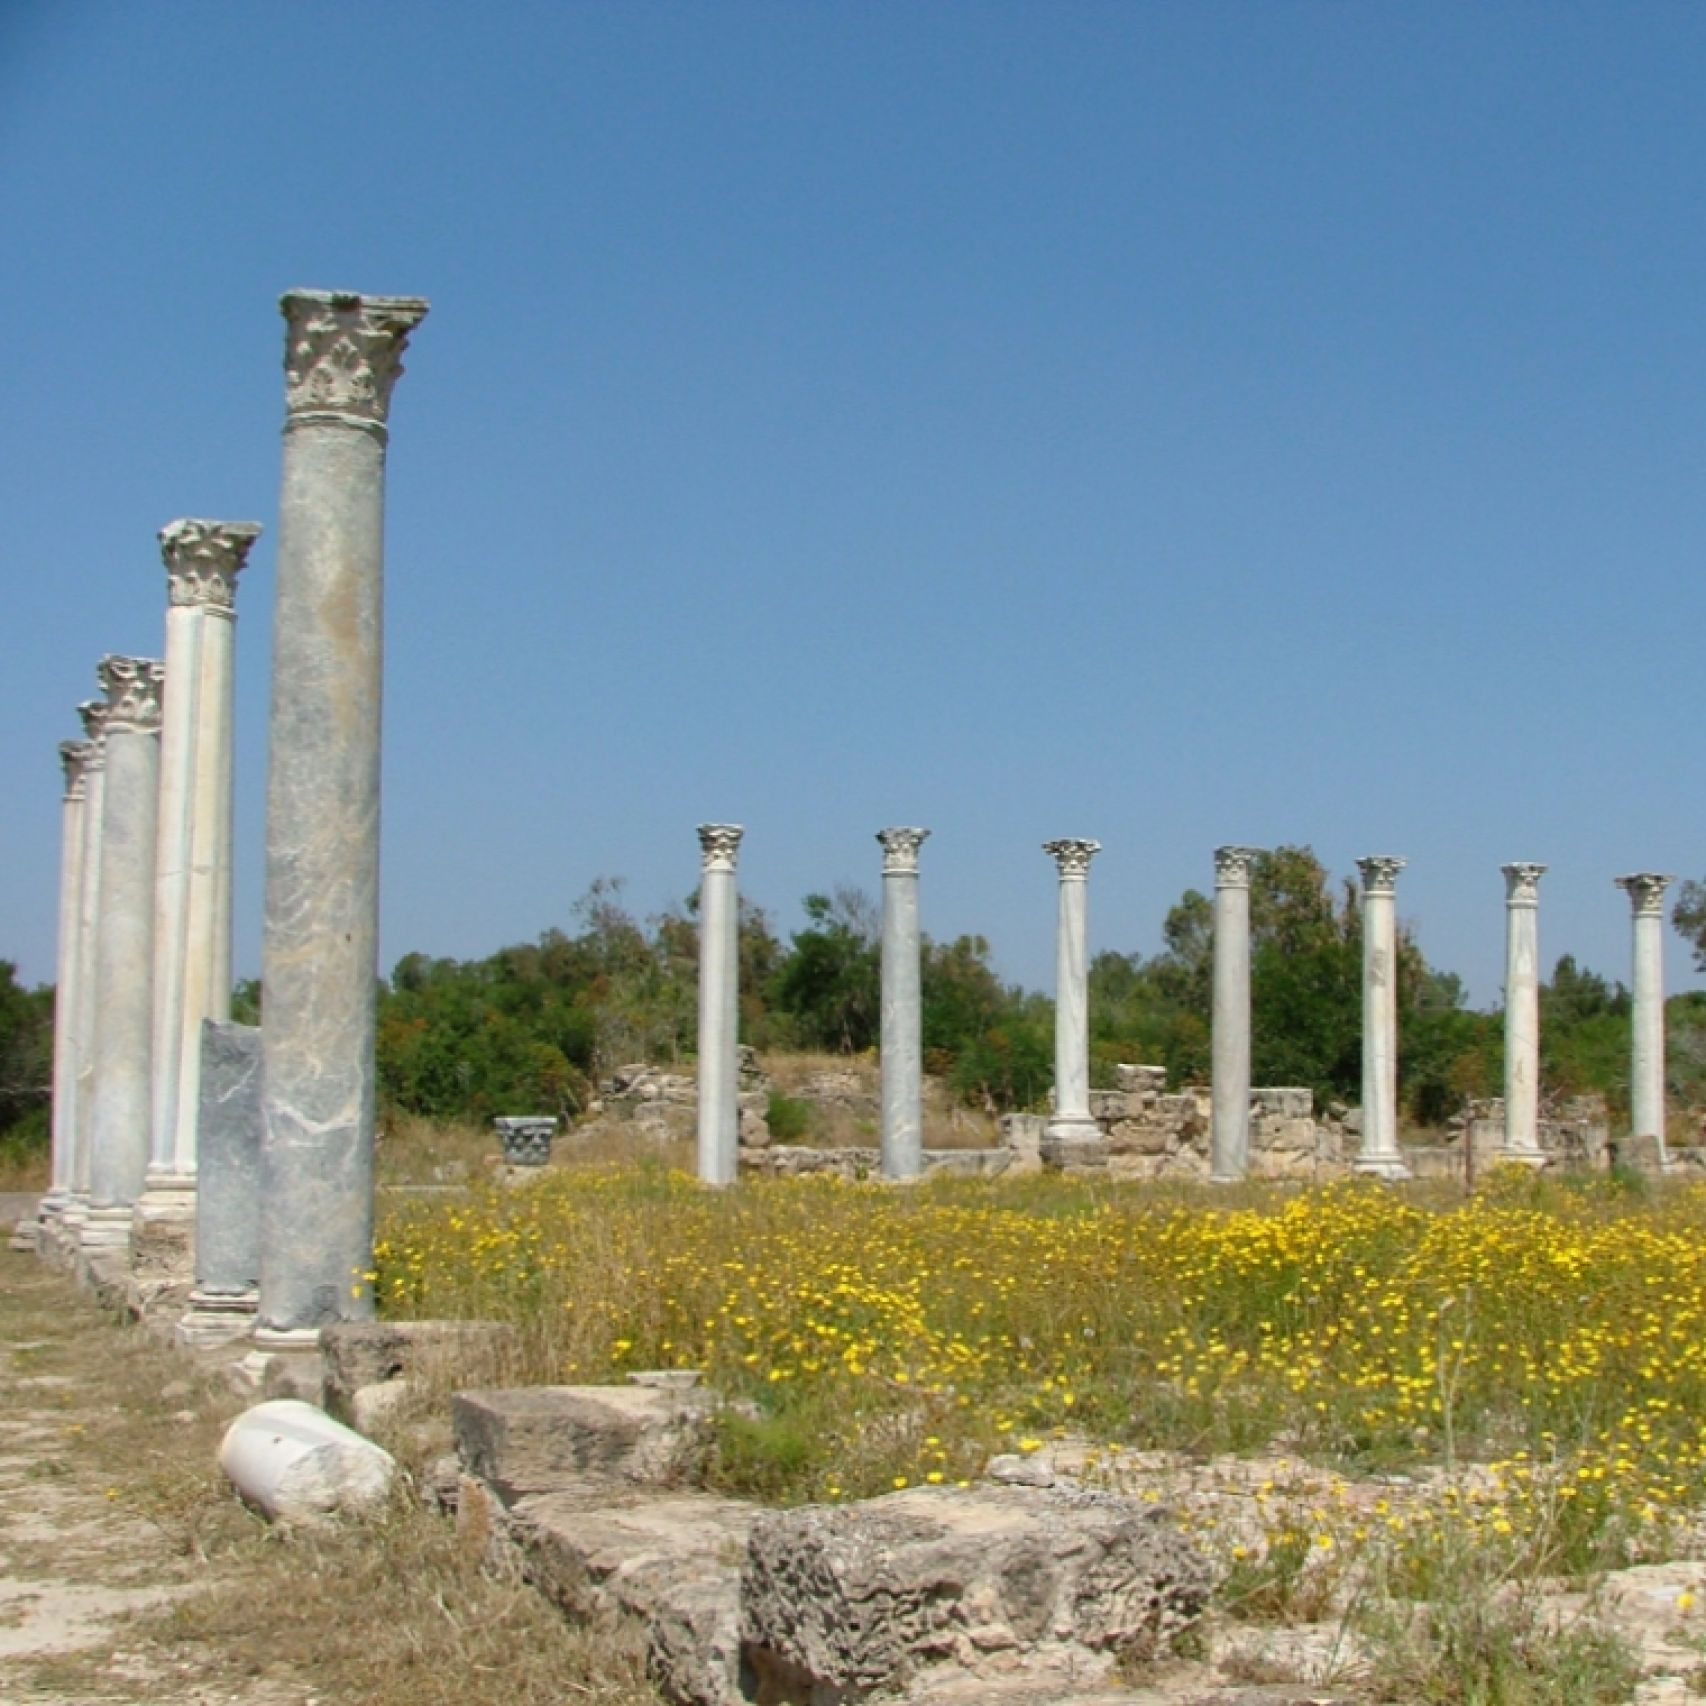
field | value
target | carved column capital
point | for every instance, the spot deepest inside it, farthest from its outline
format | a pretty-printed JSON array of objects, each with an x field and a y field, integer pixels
[
  {"x": 1380, "y": 873},
  {"x": 1073, "y": 857},
  {"x": 1522, "y": 883},
  {"x": 719, "y": 843},
  {"x": 94, "y": 714},
  {"x": 204, "y": 558},
  {"x": 1232, "y": 866},
  {"x": 1646, "y": 892},
  {"x": 133, "y": 687},
  {"x": 343, "y": 354},
  {"x": 900, "y": 850},
  {"x": 74, "y": 757}
]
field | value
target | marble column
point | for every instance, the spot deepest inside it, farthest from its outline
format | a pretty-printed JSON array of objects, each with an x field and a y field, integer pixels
[
  {"x": 1522, "y": 1015},
  {"x": 1646, "y": 891},
  {"x": 1380, "y": 1154},
  {"x": 94, "y": 715},
  {"x": 903, "y": 1007},
  {"x": 192, "y": 909},
  {"x": 1071, "y": 1121},
  {"x": 73, "y": 756},
  {"x": 719, "y": 1004},
  {"x": 1229, "y": 1117},
  {"x": 124, "y": 947},
  {"x": 320, "y": 938}
]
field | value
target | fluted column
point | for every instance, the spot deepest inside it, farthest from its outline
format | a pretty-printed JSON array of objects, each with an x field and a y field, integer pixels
[
  {"x": 124, "y": 947},
  {"x": 319, "y": 960},
  {"x": 1380, "y": 1154},
  {"x": 1229, "y": 1115},
  {"x": 903, "y": 1009},
  {"x": 73, "y": 756},
  {"x": 1071, "y": 1121},
  {"x": 1646, "y": 891},
  {"x": 192, "y": 909},
  {"x": 94, "y": 715},
  {"x": 719, "y": 1004},
  {"x": 1522, "y": 1014}
]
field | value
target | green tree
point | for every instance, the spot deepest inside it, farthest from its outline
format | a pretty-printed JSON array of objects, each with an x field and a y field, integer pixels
[
  {"x": 829, "y": 985},
  {"x": 26, "y": 1058}
]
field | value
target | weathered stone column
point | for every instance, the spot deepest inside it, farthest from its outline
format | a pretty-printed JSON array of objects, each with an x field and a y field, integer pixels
[
  {"x": 1229, "y": 1112},
  {"x": 1522, "y": 1015},
  {"x": 1646, "y": 891},
  {"x": 719, "y": 1004},
  {"x": 192, "y": 909},
  {"x": 124, "y": 947},
  {"x": 1380, "y": 1154},
  {"x": 1071, "y": 1121},
  {"x": 74, "y": 756},
  {"x": 94, "y": 715},
  {"x": 319, "y": 956},
  {"x": 903, "y": 1008}
]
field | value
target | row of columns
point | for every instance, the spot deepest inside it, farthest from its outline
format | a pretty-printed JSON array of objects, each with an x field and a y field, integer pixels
[
  {"x": 144, "y": 946},
  {"x": 902, "y": 1147}
]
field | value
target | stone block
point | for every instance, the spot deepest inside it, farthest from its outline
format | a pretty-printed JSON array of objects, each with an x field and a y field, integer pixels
[
  {"x": 370, "y": 1353},
  {"x": 1286, "y": 1102},
  {"x": 1638, "y": 1152},
  {"x": 1023, "y": 1132},
  {"x": 526, "y": 1139},
  {"x": 537, "y": 1439},
  {"x": 1141, "y": 1080},
  {"x": 848, "y": 1603},
  {"x": 1075, "y": 1154},
  {"x": 1111, "y": 1105},
  {"x": 1140, "y": 1137}
]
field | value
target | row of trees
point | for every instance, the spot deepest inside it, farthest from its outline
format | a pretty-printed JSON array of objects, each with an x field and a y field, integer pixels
[{"x": 538, "y": 1024}]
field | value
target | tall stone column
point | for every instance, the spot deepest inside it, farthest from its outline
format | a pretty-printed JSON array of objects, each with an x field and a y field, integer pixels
[
  {"x": 124, "y": 947},
  {"x": 1522, "y": 1015},
  {"x": 719, "y": 1004},
  {"x": 319, "y": 955},
  {"x": 192, "y": 909},
  {"x": 94, "y": 715},
  {"x": 1646, "y": 891},
  {"x": 1071, "y": 1121},
  {"x": 903, "y": 1007},
  {"x": 74, "y": 756},
  {"x": 1229, "y": 1116},
  {"x": 1380, "y": 1154}
]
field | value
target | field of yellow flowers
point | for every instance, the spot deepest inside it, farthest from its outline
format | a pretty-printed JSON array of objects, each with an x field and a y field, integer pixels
[{"x": 1526, "y": 1367}]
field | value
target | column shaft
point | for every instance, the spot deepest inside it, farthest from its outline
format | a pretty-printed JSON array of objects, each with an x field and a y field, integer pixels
[
  {"x": 319, "y": 963},
  {"x": 94, "y": 716},
  {"x": 1229, "y": 1113},
  {"x": 73, "y": 755},
  {"x": 1380, "y": 1153},
  {"x": 1647, "y": 1027},
  {"x": 719, "y": 989},
  {"x": 124, "y": 948},
  {"x": 902, "y": 1007},
  {"x": 1071, "y": 1120},
  {"x": 1522, "y": 1014}
]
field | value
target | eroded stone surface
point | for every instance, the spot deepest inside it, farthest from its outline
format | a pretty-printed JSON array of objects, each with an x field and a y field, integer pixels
[{"x": 360, "y": 1354}]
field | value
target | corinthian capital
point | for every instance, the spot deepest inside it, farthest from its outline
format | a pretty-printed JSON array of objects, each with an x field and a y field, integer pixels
[
  {"x": 900, "y": 850},
  {"x": 1646, "y": 892},
  {"x": 1380, "y": 873},
  {"x": 94, "y": 715},
  {"x": 343, "y": 352},
  {"x": 1073, "y": 857},
  {"x": 133, "y": 687},
  {"x": 719, "y": 843},
  {"x": 1232, "y": 866},
  {"x": 204, "y": 558},
  {"x": 1522, "y": 883},
  {"x": 74, "y": 756}
]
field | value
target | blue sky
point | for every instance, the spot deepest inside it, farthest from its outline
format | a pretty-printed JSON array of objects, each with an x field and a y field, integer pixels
[{"x": 1173, "y": 423}]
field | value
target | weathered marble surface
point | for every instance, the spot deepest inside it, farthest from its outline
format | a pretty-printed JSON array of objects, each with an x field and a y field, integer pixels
[
  {"x": 1229, "y": 1137},
  {"x": 1070, "y": 1121},
  {"x": 1646, "y": 891},
  {"x": 1380, "y": 1155},
  {"x": 73, "y": 757},
  {"x": 1522, "y": 1013},
  {"x": 902, "y": 1007},
  {"x": 719, "y": 1009},
  {"x": 94, "y": 715}
]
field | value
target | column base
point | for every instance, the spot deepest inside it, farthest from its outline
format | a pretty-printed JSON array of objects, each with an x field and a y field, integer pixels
[
  {"x": 1074, "y": 1143},
  {"x": 53, "y": 1204},
  {"x": 216, "y": 1318},
  {"x": 1228, "y": 1178},
  {"x": 1533, "y": 1159},
  {"x": 168, "y": 1196},
  {"x": 106, "y": 1228},
  {"x": 285, "y": 1363},
  {"x": 1389, "y": 1167}
]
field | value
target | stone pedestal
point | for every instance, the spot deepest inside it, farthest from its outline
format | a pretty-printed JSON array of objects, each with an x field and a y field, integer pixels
[
  {"x": 1646, "y": 891},
  {"x": 719, "y": 1004},
  {"x": 319, "y": 965},
  {"x": 74, "y": 756},
  {"x": 1229, "y": 1129},
  {"x": 192, "y": 903},
  {"x": 1380, "y": 1154},
  {"x": 124, "y": 947},
  {"x": 94, "y": 715},
  {"x": 1071, "y": 1121},
  {"x": 902, "y": 1007},
  {"x": 1522, "y": 1015}
]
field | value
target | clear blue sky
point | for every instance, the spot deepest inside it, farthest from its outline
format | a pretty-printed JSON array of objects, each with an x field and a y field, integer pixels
[{"x": 1173, "y": 423}]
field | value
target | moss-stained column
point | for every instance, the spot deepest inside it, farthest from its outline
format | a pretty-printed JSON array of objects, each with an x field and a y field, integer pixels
[{"x": 319, "y": 961}]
